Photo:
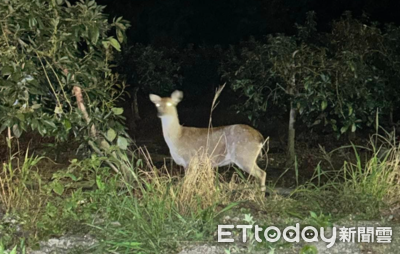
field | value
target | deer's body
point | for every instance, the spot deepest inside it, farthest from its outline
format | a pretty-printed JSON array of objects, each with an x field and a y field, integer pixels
[{"x": 239, "y": 144}]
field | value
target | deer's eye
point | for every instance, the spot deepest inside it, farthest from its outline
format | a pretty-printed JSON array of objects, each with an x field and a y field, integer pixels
[
  {"x": 169, "y": 104},
  {"x": 157, "y": 105}
]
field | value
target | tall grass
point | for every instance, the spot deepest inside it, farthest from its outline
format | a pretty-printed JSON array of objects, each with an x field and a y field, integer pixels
[
  {"x": 377, "y": 178},
  {"x": 15, "y": 176},
  {"x": 364, "y": 188},
  {"x": 158, "y": 211},
  {"x": 20, "y": 188}
]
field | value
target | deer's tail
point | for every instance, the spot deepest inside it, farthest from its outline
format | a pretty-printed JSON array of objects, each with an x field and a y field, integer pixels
[{"x": 263, "y": 155}]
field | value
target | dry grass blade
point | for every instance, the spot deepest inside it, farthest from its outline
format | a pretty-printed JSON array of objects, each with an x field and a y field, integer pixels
[{"x": 213, "y": 106}]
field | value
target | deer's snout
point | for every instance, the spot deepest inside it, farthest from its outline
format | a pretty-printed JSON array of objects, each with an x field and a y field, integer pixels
[{"x": 160, "y": 112}]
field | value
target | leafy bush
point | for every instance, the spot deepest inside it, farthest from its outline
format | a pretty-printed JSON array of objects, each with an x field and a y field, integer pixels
[
  {"x": 151, "y": 69},
  {"x": 54, "y": 54},
  {"x": 340, "y": 80}
]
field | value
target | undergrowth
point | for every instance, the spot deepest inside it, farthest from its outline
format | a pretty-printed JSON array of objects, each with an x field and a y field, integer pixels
[{"x": 147, "y": 210}]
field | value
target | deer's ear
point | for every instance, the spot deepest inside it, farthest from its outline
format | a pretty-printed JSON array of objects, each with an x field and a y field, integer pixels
[
  {"x": 155, "y": 98},
  {"x": 176, "y": 96}
]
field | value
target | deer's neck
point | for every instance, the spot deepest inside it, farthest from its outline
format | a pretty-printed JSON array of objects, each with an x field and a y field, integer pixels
[{"x": 172, "y": 130}]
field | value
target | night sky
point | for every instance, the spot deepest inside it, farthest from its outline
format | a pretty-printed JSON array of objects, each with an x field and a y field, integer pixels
[{"x": 210, "y": 22}]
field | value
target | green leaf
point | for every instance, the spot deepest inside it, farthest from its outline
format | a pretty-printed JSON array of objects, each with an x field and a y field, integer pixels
[
  {"x": 313, "y": 214},
  {"x": 343, "y": 129},
  {"x": 122, "y": 143},
  {"x": 115, "y": 44},
  {"x": 105, "y": 44},
  {"x": 58, "y": 188},
  {"x": 324, "y": 78},
  {"x": 50, "y": 123},
  {"x": 2, "y": 128},
  {"x": 21, "y": 117},
  {"x": 111, "y": 134},
  {"x": 67, "y": 124},
  {"x": 14, "y": 250},
  {"x": 139, "y": 163},
  {"x": 94, "y": 35},
  {"x": 324, "y": 104},
  {"x": 16, "y": 130},
  {"x": 120, "y": 35},
  {"x": 318, "y": 121},
  {"x": 58, "y": 110},
  {"x": 118, "y": 111},
  {"x": 104, "y": 145},
  {"x": 36, "y": 106},
  {"x": 350, "y": 110},
  {"x": 100, "y": 183},
  {"x": 7, "y": 70},
  {"x": 353, "y": 127},
  {"x": 72, "y": 176}
]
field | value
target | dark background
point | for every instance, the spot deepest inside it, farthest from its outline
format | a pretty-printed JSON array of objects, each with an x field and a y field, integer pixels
[
  {"x": 209, "y": 22},
  {"x": 206, "y": 23}
]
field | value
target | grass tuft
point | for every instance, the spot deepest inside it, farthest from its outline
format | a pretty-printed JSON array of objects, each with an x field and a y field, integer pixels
[{"x": 198, "y": 189}]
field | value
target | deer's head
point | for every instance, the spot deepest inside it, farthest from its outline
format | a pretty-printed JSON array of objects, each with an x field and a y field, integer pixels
[{"x": 167, "y": 106}]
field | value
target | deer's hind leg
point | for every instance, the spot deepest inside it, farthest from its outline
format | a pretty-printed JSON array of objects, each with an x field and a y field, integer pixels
[
  {"x": 248, "y": 162},
  {"x": 256, "y": 171}
]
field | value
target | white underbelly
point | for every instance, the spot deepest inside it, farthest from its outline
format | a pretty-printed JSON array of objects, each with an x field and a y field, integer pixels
[
  {"x": 225, "y": 161},
  {"x": 178, "y": 159}
]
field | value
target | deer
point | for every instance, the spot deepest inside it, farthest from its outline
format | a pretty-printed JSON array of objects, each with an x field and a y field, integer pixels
[{"x": 237, "y": 144}]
